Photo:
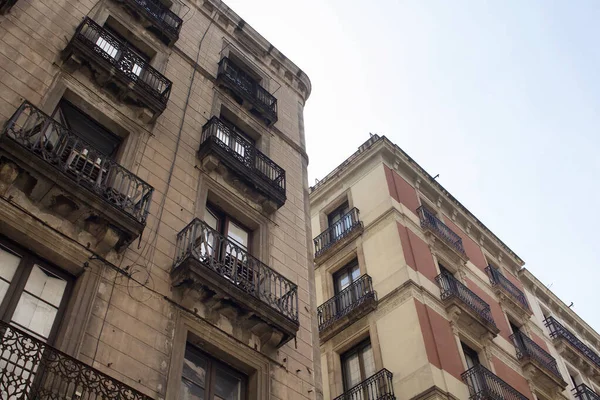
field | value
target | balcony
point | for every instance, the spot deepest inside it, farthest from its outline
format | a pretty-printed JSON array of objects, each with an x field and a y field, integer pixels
[
  {"x": 347, "y": 306},
  {"x": 583, "y": 392},
  {"x": 221, "y": 143},
  {"x": 484, "y": 385},
  {"x": 465, "y": 307},
  {"x": 376, "y": 387},
  {"x": 348, "y": 228},
  {"x": 46, "y": 165},
  {"x": 118, "y": 68},
  {"x": 508, "y": 293},
  {"x": 537, "y": 363},
  {"x": 570, "y": 347},
  {"x": 247, "y": 91},
  {"x": 443, "y": 233},
  {"x": 6, "y": 5},
  {"x": 34, "y": 370},
  {"x": 157, "y": 18},
  {"x": 227, "y": 278}
]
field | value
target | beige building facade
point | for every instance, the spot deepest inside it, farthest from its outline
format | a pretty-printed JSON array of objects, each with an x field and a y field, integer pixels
[
  {"x": 418, "y": 299},
  {"x": 154, "y": 223}
]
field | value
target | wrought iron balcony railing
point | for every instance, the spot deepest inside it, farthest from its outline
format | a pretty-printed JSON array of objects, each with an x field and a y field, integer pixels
[
  {"x": 583, "y": 392},
  {"x": 557, "y": 330},
  {"x": 497, "y": 279},
  {"x": 165, "y": 20},
  {"x": 6, "y": 5},
  {"x": 352, "y": 297},
  {"x": 336, "y": 232},
  {"x": 528, "y": 349},
  {"x": 97, "y": 43},
  {"x": 376, "y": 387},
  {"x": 451, "y": 287},
  {"x": 62, "y": 149},
  {"x": 32, "y": 369},
  {"x": 244, "y": 158},
  {"x": 248, "y": 88},
  {"x": 433, "y": 223},
  {"x": 483, "y": 384},
  {"x": 234, "y": 264}
]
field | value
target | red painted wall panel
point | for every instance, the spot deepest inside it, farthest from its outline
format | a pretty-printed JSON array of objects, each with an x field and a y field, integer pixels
[
  {"x": 440, "y": 343},
  {"x": 512, "y": 377},
  {"x": 472, "y": 249},
  {"x": 514, "y": 280},
  {"x": 497, "y": 313},
  {"x": 540, "y": 342},
  {"x": 401, "y": 190},
  {"x": 417, "y": 253}
]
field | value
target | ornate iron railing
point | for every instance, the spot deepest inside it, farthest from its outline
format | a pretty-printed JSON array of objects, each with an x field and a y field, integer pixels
[
  {"x": 483, "y": 384},
  {"x": 165, "y": 19},
  {"x": 527, "y": 348},
  {"x": 451, "y": 287},
  {"x": 248, "y": 88},
  {"x": 557, "y": 330},
  {"x": 376, "y": 387},
  {"x": 245, "y": 152},
  {"x": 583, "y": 392},
  {"x": 236, "y": 265},
  {"x": 128, "y": 64},
  {"x": 497, "y": 279},
  {"x": 6, "y": 5},
  {"x": 56, "y": 145},
  {"x": 32, "y": 369},
  {"x": 345, "y": 301},
  {"x": 336, "y": 232},
  {"x": 433, "y": 223}
]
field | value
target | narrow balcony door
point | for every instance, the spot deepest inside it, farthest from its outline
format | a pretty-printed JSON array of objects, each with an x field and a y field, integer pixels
[
  {"x": 358, "y": 364},
  {"x": 339, "y": 221},
  {"x": 344, "y": 278}
]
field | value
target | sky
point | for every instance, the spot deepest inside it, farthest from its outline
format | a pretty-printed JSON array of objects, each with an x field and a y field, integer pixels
[{"x": 501, "y": 98}]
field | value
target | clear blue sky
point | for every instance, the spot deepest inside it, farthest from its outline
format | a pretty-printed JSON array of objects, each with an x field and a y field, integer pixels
[{"x": 501, "y": 98}]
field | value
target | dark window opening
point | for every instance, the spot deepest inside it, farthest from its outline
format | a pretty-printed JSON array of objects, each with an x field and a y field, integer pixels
[
  {"x": 337, "y": 214},
  {"x": 444, "y": 270},
  {"x": 205, "y": 377},
  {"x": 358, "y": 364},
  {"x": 471, "y": 356}
]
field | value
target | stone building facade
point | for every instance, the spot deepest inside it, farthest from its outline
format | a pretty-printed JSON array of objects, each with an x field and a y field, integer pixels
[
  {"x": 154, "y": 221},
  {"x": 418, "y": 299}
]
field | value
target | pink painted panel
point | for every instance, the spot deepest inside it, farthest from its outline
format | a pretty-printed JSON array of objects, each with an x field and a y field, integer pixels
[
  {"x": 512, "y": 377},
  {"x": 472, "y": 249},
  {"x": 401, "y": 190},
  {"x": 497, "y": 313},
  {"x": 417, "y": 253}
]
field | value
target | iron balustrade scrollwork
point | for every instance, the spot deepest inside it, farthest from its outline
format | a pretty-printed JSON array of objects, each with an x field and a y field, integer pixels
[
  {"x": 244, "y": 151},
  {"x": 497, "y": 279},
  {"x": 433, "y": 223},
  {"x": 337, "y": 231},
  {"x": 160, "y": 14},
  {"x": 233, "y": 263},
  {"x": 350, "y": 298},
  {"x": 376, "y": 387},
  {"x": 451, "y": 287},
  {"x": 483, "y": 384},
  {"x": 128, "y": 64},
  {"x": 528, "y": 349},
  {"x": 32, "y": 369},
  {"x": 557, "y": 330},
  {"x": 248, "y": 88},
  {"x": 584, "y": 392},
  {"x": 64, "y": 150}
]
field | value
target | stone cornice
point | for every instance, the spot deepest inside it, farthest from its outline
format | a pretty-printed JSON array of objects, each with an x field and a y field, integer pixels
[
  {"x": 540, "y": 291},
  {"x": 253, "y": 42}
]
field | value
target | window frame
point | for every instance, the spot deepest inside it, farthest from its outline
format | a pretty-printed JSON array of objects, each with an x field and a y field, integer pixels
[
  {"x": 336, "y": 212},
  {"x": 16, "y": 288},
  {"x": 349, "y": 353},
  {"x": 470, "y": 353},
  {"x": 345, "y": 270},
  {"x": 223, "y": 223},
  {"x": 212, "y": 364}
]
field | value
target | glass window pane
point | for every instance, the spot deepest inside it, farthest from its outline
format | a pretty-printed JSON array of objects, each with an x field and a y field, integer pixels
[
  {"x": 194, "y": 367},
  {"x": 355, "y": 272},
  {"x": 211, "y": 219},
  {"x": 238, "y": 234},
  {"x": 343, "y": 281},
  {"x": 352, "y": 371},
  {"x": 45, "y": 285},
  {"x": 34, "y": 315},
  {"x": 189, "y": 391},
  {"x": 368, "y": 361},
  {"x": 227, "y": 386},
  {"x": 8, "y": 264}
]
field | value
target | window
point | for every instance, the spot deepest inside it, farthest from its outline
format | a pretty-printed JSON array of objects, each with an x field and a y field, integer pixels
[
  {"x": 358, "y": 364},
  {"x": 342, "y": 279},
  {"x": 444, "y": 270},
  {"x": 340, "y": 221},
  {"x": 471, "y": 356},
  {"x": 88, "y": 162},
  {"x": 234, "y": 138},
  {"x": 205, "y": 378},
  {"x": 32, "y": 293}
]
